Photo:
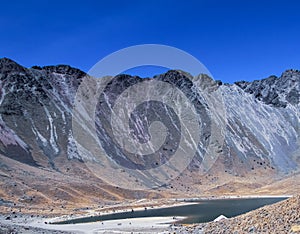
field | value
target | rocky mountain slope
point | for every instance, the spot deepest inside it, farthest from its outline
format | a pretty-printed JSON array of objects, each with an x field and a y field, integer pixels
[
  {"x": 263, "y": 119},
  {"x": 260, "y": 130}
]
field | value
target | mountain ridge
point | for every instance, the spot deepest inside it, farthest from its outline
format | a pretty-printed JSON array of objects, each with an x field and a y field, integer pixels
[
  {"x": 261, "y": 125},
  {"x": 61, "y": 82}
]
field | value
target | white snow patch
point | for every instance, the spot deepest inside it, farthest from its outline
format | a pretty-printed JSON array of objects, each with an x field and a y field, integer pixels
[{"x": 220, "y": 218}]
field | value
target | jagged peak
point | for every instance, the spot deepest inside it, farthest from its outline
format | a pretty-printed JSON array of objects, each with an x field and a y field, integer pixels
[
  {"x": 6, "y": 60},
  {"x": 291, "y": 71},
  {"x": 290, "y": 74},
  {"x": 177, "y": 73},
  {"x": 61, "y": 69},
  {"x": 277, "y": 91},
  {"x": 8, "y": 65}
]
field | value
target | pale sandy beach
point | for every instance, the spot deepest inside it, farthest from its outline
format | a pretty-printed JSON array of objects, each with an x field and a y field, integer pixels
[{"x": 134, "y": 225}]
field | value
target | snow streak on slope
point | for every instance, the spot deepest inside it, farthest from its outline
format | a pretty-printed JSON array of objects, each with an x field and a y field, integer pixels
[{"x": 260, "y": 130}]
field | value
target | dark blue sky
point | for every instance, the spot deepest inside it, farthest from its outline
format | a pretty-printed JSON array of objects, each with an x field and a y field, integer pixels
[{"x": 235, "y": 39}]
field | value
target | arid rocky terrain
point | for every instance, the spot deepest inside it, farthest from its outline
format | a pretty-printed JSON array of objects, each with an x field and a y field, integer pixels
[{"x": 42, "y": 172}]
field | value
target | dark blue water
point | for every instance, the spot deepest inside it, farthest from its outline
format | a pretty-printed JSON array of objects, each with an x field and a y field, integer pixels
[{"x": 199, "y": 212}]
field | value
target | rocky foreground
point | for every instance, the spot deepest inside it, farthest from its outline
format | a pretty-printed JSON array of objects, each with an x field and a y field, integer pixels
[
  {"x": 282, "y": 217},
  {"x": 13, "y": 229}
]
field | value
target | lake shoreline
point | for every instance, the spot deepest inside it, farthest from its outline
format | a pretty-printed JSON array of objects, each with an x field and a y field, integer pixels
[
  {"x": 140, "y": 224},
  {"x": 174, "y": 202}
]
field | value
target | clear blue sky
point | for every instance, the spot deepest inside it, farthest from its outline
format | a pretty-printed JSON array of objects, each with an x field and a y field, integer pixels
[{"x": 243, "y": 39}]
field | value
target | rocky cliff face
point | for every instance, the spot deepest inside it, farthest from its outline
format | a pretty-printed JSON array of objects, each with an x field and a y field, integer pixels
[
  {"x": 35, "y": 107},
  {"x": 262, "y": 118},
  {"x": 263, "y": 121}
]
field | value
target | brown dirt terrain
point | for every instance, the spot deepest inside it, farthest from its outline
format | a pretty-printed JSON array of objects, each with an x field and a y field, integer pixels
[{"x": 73, "y": 189}]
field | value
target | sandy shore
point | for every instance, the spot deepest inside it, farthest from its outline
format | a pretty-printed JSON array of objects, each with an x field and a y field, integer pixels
[
  {"x": 133, "y": 225},
  {"x": 139, "y": 225},
  {"x": 28, "y": 224}
]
